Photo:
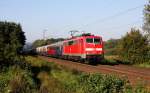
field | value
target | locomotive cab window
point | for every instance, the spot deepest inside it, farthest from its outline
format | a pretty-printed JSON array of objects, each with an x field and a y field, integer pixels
[
  {"x": 89, "y": 40},
  {"x": 97, "y": 40},
  {"x": 70, "y": 42}
]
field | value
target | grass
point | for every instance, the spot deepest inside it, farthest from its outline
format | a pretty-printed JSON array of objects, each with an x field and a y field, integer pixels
[
  {"x": 143, "y": 65},
  {"x": 59, "y": 79},
  {"x": 15, "y": 80},
  {"x": 109, "y": 60},
  {"x": 114, "y": 60},
  {"x": 66, "y": 80},
  {"x": 47, "y": 77}
]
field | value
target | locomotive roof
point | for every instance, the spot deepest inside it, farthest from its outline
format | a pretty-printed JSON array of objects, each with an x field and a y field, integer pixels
[
  {"x": 80, "y": 37},
  {"x": 73, "y": 38}
]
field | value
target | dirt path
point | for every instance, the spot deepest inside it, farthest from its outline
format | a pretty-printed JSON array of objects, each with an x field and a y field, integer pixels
[{"x": 134, "y": 74}]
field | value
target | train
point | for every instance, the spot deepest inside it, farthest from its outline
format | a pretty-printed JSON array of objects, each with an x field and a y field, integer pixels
[{"x": 87, "y": 48}]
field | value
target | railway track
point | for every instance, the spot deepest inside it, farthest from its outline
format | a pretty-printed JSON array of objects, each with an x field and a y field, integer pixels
[{"x": 133, "y": 74}]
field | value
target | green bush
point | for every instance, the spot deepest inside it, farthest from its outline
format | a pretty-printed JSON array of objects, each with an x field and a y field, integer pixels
[
  {"x": 133, "y": 47},
  {"x": 110, "y": 46},
  {"x": 97, "y": 83}
]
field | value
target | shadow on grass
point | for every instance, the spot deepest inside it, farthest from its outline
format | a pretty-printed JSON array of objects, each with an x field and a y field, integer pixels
[
  {"x": 108, "y": 62},
  {"x": 123, "y": 62},
  {"x": 114, "y": 62},
  {"x": 36, "y": 70}
]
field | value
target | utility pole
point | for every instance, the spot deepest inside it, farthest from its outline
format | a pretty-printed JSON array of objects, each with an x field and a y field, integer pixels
[
  {"x": 44, "y": 32},
  {"x": 72, "y": 32}
]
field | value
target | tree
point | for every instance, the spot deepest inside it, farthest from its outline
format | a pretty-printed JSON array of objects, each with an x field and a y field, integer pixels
[
  {"x": 38, "y": 43},
  {"x": 133, "y": 47},
  {"x": 12, "y": 40},
  {"x": 42, "y": 42},
  {"x": 146, "y": 25},
  {"x": 111, "y": 46}
]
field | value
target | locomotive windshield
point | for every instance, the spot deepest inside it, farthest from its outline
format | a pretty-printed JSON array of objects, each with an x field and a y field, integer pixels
[
  {"x": 96, "y": 40},
  {"x": 89, "y": 40},
  {"x": 93, "y": 40}
]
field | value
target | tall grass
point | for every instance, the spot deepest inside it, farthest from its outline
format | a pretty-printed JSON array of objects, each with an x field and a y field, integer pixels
[
  {"x": 143, "y": 65},
  {"x": 47, "y": 77},
  {"x": 16, "y": 80},
  {"x": 59, "y": 79}
]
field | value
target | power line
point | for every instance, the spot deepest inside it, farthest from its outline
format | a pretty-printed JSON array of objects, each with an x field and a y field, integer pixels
[
  {"x": 120, "y": 26},
  {"x": 114, "y": 16}
]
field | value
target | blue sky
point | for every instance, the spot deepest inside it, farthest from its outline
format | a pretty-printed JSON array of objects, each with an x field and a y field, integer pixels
[{"x": 58, "y": 17}]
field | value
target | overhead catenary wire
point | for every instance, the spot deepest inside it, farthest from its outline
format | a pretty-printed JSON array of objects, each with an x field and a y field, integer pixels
[
  {"x": 108, "y": 18},
  {"x": 112, "y": 17},
  {"x": 123, "y": 25}
]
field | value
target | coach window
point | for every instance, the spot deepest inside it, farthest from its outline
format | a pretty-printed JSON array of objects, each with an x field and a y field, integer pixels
[{"x": 89, "y": 40}]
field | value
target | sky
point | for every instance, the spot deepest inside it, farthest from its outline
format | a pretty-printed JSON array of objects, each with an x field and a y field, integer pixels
[{"x": 106, "y": 18}]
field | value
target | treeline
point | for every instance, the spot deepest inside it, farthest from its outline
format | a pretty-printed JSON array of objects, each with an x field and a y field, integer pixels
[
  {"x": 132, "y": 48},
  {"x": 12, "y": 40},
  {"x": 42, "y": 42},
  {"x": 30, "y": 48},
  {"x": 14, "y": 71}
]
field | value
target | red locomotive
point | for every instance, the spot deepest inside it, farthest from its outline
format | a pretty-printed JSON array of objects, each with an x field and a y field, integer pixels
[{"x": 85, "y": 48}]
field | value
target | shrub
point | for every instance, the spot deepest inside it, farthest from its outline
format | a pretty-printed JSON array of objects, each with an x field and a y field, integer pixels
[
  {"x": 16, "y": 80},
  {"x": 97, "y": 83},
  {"x": 133, "y": 47}
]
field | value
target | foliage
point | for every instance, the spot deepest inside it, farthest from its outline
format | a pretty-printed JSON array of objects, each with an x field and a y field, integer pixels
[
  {"x": 133, "y": 47},
  {"x": 38, "y": 43},
  {"x": 42, "y": 74},
  {"x": 12, "y": 40},
  {"x": 97, "y": 83},
  {"x": 110, "y": 47},
  {"x": 144, "y": 65},
  {"x": 16, "y": 80},
  {"x": 146, "y": 25},
  {"x": 42, "y": 42},
  {"x": 109, "y": 60},
  {"x": 50, "y": 84},
  {"x": 47, "y": 77},
  {"x": 67, "y": 78},
  {"x": 57, "y": 79},
  {"x": 70, "y": 81}
]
